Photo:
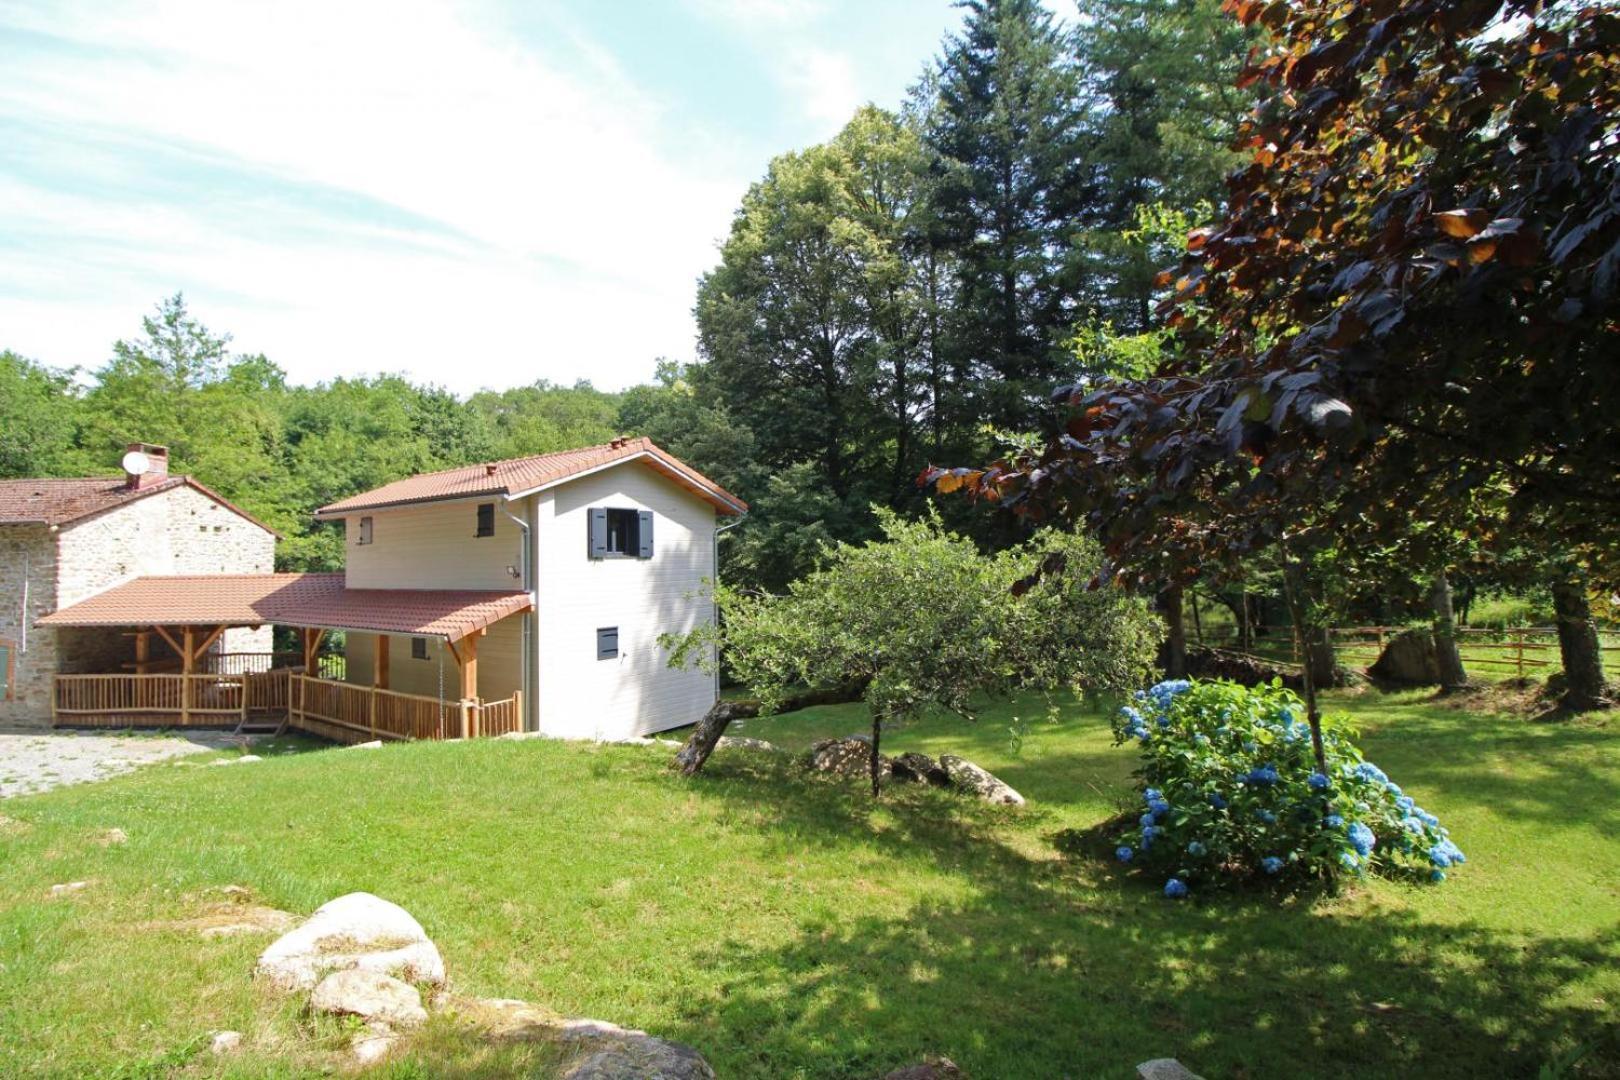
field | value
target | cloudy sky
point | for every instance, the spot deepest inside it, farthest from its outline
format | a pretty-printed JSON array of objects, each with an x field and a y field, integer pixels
[{"x": 470, "y": 192}]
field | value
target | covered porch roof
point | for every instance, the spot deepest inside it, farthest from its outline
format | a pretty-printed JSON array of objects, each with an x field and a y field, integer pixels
[{"x": 303, "y": 600}]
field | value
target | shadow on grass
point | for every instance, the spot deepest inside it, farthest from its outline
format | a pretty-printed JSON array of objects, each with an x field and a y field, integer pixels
[
  {"x": 1511, "y": 764},
  {"x": 1051, "y": 967}
]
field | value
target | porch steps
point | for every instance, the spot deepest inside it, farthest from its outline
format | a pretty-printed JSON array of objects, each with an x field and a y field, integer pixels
[{"x": 263, "y": 725}]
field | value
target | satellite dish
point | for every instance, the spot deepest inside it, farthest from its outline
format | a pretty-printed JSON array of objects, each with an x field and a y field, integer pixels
[{"x": 136, "y": 463}]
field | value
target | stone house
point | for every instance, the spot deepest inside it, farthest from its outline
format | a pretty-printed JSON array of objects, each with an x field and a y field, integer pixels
[{"x": 65, "y": 540}]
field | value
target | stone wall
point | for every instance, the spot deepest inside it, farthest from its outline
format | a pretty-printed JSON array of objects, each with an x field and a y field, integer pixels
[
  {"x": 207, "y": 538},
  {"x": 180, "y": 531},
  {"x": 27, "y": 552}
]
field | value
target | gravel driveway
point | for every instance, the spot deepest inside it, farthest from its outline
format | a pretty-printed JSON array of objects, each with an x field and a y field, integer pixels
[{"x": 33, "y": 761}]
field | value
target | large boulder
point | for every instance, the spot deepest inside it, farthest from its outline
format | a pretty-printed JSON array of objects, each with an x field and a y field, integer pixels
[
  {"x": 920, "y": 769},
  {"x": 639, "y": 1056},
  {"x": 1409, "y": 659},
  {"x": 370, "y": 995},
  {"x": 354, "y": 931},
  {"x": 849, "y": 756},
  {"x": 1208, "y": 663},
  {"x": 968, "y": 777}
]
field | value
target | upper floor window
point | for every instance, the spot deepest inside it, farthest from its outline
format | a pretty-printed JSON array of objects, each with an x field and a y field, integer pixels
[
  {"x": 486, "y": 519},
  {"x": 419, "y": 648},
  {"x": 618, "y": 533},
  {"x": 365, "y": 531}
]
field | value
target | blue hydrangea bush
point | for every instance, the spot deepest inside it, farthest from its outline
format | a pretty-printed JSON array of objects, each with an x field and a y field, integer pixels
[{"x": 1231, "y": 792}]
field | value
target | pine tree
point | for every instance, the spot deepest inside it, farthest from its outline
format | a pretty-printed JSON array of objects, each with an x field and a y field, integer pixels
[
  {"x": 1006, "y": 131},
  {"x": 1160, "y": 79}
]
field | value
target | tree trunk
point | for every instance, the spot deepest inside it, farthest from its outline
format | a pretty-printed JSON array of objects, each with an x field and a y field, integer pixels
[
  {"x": 1578, "y": 645},
  {"x": 700, "y": 744},
  {"x": 1175, "y": 654},
  {"x": 874, "y": 760},
  {"x": 1319, "y": 655},
  {"x": 1292, "y": 588},
  {"x": 1198, "y": 624},
  {"x": 1452, "y": 675}
]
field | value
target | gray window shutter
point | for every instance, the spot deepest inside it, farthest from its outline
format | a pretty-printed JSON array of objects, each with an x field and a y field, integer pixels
[
  {"x": 598, "y": 532},
  {"x": 644, "y": 530}
]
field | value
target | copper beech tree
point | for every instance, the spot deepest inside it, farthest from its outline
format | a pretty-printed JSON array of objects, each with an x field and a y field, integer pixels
[{"x": 1406, "y": 314}]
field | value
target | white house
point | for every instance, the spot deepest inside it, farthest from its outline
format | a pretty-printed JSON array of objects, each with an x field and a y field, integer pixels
[{"x": 613, "y": 545}]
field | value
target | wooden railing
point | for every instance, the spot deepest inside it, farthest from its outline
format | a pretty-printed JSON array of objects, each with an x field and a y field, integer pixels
[
  {"x": 183, "y": 700},
  {"x": 500, "y": 717},
  {"x": 337, "y": 710},
  {"x": 267, "y": 691},
  {"x": 413, "y": 716},
  {"x": 84, "y": 694},
  {"x": 345, "y": 710}
]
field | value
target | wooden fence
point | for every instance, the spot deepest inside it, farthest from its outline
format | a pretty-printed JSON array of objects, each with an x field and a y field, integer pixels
[
  {"x": 342, "y": 711},
  {"x": 123, "y": 700},
  {"x": 351, "y": 713},
  {"x": 1493, "y": 653},
  {"x": 501, "y": 717}
]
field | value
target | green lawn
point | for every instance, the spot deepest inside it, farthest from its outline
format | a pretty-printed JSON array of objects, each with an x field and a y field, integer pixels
[{"x": 788, "y": 927}]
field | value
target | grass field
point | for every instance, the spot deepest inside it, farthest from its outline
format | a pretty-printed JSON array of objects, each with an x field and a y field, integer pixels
[{"x": 787, "y": 926}]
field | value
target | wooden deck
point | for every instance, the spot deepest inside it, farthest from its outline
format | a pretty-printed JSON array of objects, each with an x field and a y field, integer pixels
[{"x": 344, "y": 712}]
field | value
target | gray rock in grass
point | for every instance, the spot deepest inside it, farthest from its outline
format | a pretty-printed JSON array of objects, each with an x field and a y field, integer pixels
[
  {"x": 370, "y": 995},
  {"x": 970, "y": 778}
]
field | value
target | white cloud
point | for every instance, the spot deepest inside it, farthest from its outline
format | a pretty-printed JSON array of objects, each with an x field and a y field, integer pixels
[
  {"x": 572, "y": 239},
  {"x": 824, "y": 84}
]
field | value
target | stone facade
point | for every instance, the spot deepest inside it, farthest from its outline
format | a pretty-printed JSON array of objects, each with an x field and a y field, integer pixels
[
  {"x": 178, "y": 531},
  {"x": 27, "y": 555}
]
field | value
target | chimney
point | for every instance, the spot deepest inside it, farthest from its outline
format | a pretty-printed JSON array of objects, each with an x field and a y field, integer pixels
[
  {"x": 490, "y": 469},
  {"x": 145, "y": 465}
]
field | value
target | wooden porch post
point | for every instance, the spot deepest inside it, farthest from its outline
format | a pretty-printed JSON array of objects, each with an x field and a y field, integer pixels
[
  {"x": 380, "y": 675},
  {"x": 143, "y": 651},
  {"x": 469, "y": 685},
  {"x": 187, "y": 658}
]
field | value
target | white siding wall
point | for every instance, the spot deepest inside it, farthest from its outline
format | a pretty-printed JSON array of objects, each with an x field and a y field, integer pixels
[
  {"x": 432, "y": 547},
  {"x": 637, "y": 693}
]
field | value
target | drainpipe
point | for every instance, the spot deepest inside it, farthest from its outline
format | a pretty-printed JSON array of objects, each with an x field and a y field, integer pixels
[
  {"x": 715, "y": 539},
  {"x": 529, "y": 586}
]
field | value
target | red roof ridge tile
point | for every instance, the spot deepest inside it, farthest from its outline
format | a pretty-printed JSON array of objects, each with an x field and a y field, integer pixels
[
  {"x": 23, "y": 502},
  {"x": 512, "y": 477}
]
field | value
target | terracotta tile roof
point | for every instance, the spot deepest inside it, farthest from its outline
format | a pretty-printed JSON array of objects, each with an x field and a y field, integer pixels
[
  {"x": 519, "y": 476},
  {"x": 318, "y": 600},
  {"x": 63, "y": 502}
]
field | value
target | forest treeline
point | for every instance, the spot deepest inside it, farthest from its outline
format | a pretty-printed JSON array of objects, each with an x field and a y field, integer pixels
[{"x": 906, "y": 293}]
